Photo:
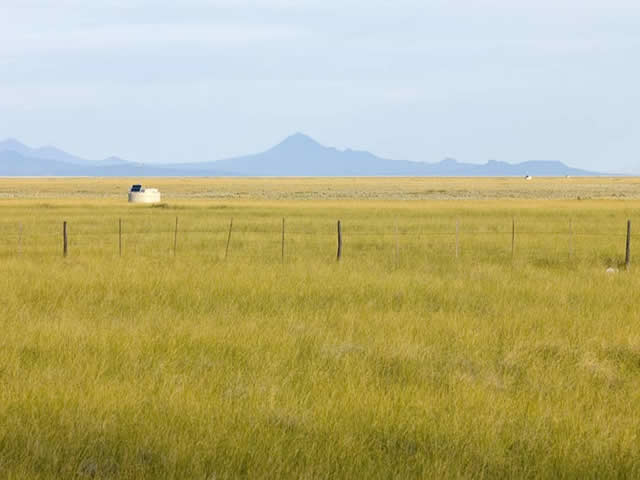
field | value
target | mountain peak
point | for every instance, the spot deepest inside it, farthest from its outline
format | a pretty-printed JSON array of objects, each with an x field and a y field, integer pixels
[
  {"x": 297, "y": 145},
  {"x": 300, "y": 135},
  {"x": 13, "y": 144},
  {"x": 298, "y": 139}
]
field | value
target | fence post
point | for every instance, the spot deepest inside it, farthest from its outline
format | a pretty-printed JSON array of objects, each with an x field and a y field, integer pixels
[
  {"x": 627, "y": 256},
  {"x": 513, "y": 237},
  {"x": 457, "y": 238},
  {"x": 175, "y": 238},
  {"x": 120, "y": 236},
  {"x": 339, "y": 241},
  {"x": 226, "y": 252},
  {"x": 283, "y": 240},
  {"x": 65, "y": 243}
]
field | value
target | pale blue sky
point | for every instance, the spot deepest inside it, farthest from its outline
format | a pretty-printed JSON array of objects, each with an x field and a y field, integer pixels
[{"x": 169, "y": 81}]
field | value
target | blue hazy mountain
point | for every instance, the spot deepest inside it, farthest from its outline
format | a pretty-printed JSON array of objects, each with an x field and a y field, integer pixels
[
  {"x": 17, "y": 159},
  {"x": 297, "y": 155},
  {"x": 55, "y": 155},
  {"x": 300, "y": 155},
  {"x": 42, "y": 153},
  {"x": 13, "y": 164}
]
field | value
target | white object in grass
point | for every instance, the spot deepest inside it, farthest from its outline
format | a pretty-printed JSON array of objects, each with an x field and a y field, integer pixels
[{"x": 138, "y": 194}]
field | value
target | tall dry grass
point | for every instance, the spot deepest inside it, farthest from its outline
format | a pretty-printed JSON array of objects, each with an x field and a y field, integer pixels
[{"x": 415, "y": 365}]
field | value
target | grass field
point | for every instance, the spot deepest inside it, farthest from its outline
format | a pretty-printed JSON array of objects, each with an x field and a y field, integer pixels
[
  {"x": 577, "y": 188},
  {"x": 404, "y": 360}
]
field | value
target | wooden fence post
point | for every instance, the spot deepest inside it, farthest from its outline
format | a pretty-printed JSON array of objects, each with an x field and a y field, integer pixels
[
  {"x": 175, "y": 238},
  {"x": 513, "y": 238},
  {"x": 120, "y": 236},
  {"x": 627, "y": 256},
  {"x": 65, "y": 243},
  {"x": 283, "y": 240},
  {"x": 339, "y": 241},
  {"x": 226, "y": 252}
]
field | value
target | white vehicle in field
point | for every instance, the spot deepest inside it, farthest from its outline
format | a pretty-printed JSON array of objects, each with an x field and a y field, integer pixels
[{"x": 138, "y": 194}]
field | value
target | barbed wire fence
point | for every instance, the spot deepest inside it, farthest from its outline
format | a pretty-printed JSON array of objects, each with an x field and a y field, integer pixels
[{"x": 286, "y": 240}]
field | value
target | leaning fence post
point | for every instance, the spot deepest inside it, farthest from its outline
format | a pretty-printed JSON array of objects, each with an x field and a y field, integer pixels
[
  {"x": 627, "y": 256},
  {"x": 339, "y": 241},
  {"x": 226, "y": 252},
  {"x": 283, "y": 240},
  {"x": 65, "y": 244}
]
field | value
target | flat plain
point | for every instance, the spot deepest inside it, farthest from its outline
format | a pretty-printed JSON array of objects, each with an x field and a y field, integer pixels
[{"x": 470, "y": 329}]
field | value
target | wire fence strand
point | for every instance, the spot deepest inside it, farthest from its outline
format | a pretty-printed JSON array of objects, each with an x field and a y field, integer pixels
[{"x": 262, "y": 239}]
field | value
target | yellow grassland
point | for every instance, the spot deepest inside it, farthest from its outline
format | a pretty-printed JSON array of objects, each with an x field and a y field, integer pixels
[{"x": 404, "y": 360}]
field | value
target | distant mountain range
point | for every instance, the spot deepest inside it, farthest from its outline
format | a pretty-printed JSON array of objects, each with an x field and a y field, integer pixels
[{"x": 297, "y": 155}]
